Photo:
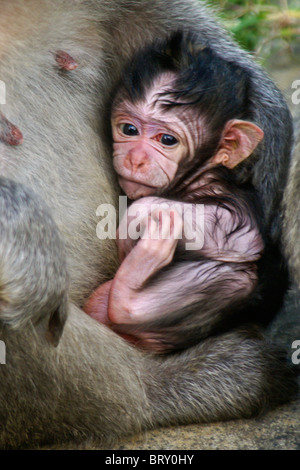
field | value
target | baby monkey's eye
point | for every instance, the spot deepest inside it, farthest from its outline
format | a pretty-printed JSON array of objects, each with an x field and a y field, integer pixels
[
  {"x": 167, "y": 139},
  {"x": 129, "y": 129}
]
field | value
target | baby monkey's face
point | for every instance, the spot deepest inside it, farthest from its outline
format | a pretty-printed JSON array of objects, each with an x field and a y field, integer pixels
[
  {"x": 146, "y": 154},
  {"x": 150, "y": 144},
  {"x": 154, "y": 144}
]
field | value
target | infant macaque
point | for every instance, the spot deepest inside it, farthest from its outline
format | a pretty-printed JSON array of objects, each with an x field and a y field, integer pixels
[{"x": 179, "y": 125}]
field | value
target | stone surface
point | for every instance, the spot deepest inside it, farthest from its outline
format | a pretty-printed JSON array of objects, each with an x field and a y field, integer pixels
[{"x": 279, "y": 429}]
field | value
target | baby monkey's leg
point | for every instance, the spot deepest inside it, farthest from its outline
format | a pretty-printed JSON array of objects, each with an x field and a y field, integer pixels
[{"x": 117, "y": 301}]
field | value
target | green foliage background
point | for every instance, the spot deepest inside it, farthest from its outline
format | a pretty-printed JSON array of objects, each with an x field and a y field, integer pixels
[{"x": 263, "y": 27}]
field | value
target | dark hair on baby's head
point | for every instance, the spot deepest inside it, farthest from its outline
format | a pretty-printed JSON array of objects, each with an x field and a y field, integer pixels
[{"x": 213, "y": 87}]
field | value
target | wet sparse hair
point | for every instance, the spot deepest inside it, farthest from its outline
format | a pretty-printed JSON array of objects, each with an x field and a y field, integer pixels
[{"x": 211, "y": 87}]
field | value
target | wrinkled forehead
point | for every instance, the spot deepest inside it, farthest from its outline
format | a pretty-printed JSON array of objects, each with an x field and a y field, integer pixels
[
  {"x": 161, "y": 85},
  {"x": 151, "y": 106}
]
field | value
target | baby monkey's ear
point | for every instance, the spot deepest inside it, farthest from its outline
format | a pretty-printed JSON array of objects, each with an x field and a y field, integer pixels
[{"x": 239, "y": 140}]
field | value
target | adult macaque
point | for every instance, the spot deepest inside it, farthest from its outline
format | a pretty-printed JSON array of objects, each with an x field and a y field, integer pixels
[
  {"x": 178, "y": 130},
  {"x": 95, "y": 384}
]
